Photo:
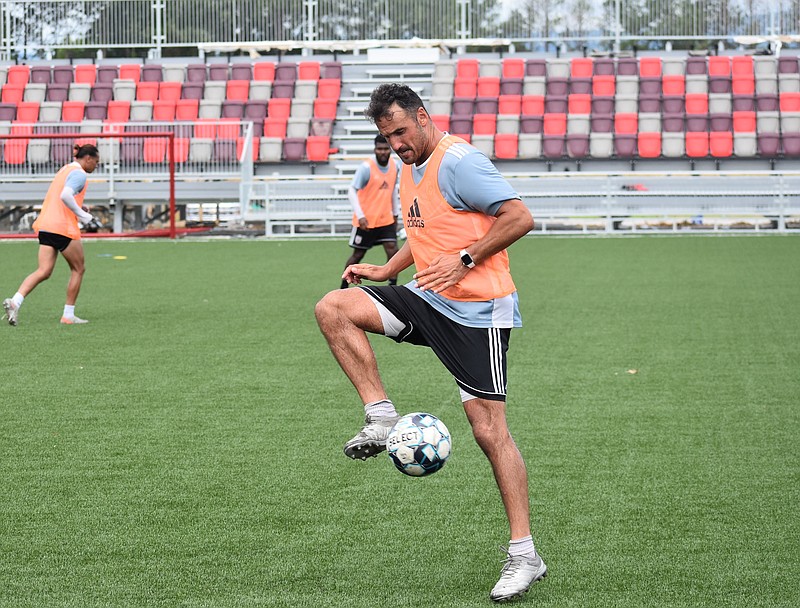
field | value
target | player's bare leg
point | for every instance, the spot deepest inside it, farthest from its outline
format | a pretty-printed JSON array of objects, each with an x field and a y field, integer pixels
[
  {"x": 488, "y": 420},
  {"x": 75, "y": 258},
  {"x": 47, "y": 261},
  {"x": 77, "y": 266},
  {"x": 344, "y": 317},
  {"x": 390, "y": 247},
  {"x": 47, "y": 257},
  {"x": 355, "y": 258},
  {"x": 489, "y": 426}
]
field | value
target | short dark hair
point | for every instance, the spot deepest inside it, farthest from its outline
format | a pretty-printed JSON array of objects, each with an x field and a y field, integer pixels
[
  {"x": 380, "y": 139},
  {"x": 79, "y": 151},
  {"x": 385, "y": 95}
]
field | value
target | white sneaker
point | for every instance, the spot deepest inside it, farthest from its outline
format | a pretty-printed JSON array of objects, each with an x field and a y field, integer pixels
[
  {"x": 73, "y": 321},
  {"x": 371, "y": 439},
  {"x": 517, "y": 576},
  {"x": 11, "y": 311}
]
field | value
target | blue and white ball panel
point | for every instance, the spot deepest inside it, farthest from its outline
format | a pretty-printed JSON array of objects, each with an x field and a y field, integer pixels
[{"x": 419, "y": 444}]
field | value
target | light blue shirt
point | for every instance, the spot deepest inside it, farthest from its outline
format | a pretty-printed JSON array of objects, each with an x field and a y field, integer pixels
[
  {"x": 362, "y": 174},
  {"x": 470, "y": 182},
  {"x": 76, "y": 180}
]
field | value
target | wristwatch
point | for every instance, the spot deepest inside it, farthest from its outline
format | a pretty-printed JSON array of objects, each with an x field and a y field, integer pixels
[{"x": 466, "y": 259}]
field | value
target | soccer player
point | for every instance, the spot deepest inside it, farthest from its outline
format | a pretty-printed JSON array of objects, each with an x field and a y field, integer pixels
[
  {"x": 373, "y": 195},
  {"x": 59, "y": 231},
  {"x": 460, "y": 217}
]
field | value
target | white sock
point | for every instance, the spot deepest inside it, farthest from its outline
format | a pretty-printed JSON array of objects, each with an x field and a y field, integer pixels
[
  {"x": 69, "y": 311},
  {"x": 380, "y": 409},
  {"x": 522, "y": 546},
  {"x": 18, "y": 299}
]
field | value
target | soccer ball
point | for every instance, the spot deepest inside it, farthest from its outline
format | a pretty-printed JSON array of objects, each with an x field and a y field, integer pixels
[{"x": 419, "y": 444}]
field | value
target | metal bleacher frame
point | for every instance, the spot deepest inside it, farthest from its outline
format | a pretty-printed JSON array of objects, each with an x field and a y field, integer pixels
[{"x": 589, "y": 203}]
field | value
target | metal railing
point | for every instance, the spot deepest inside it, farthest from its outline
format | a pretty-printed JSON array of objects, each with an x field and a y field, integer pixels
[
  {"x": 41, "y": 28},
  {"x": 569, "y": 203}
]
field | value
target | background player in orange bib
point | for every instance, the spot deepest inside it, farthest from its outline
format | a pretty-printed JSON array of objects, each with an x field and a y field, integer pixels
[
  {"x": 374, "y": 197},
  {"x": 58, "y": 229}
]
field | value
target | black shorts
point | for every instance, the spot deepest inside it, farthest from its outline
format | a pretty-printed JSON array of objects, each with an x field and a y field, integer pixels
[
  {"x": 476, "y": 356},
  {"x": 56, "y": 241},
  {"x": 366, "y": 239}
]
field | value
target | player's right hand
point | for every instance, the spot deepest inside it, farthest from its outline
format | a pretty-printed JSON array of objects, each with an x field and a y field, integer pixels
[{"x": 363, "y": 223}]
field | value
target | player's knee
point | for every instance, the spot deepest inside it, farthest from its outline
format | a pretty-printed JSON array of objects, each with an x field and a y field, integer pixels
[
  {"x": 327, "y": 308},
  {"x": 489, "y": 435}
]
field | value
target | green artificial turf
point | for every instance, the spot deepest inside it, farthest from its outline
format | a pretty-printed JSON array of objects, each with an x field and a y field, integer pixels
[{"x": 184, "y": 448}]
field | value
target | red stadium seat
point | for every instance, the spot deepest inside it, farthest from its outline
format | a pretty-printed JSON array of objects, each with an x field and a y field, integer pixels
[
  {"x": 264, "y": 70},
  {"x": 579, "y": 104},
  {"x": 18, "y": 74},
  {"x": 169, "y": 91},
  {"x": 181, "y": 149},
  {"x": 696, "y": 144},
  {"x": 187, "y": 109},
  {"x": 86, "y": 73},
  {"x": 442, "y": 121},
  {"x": 649, "y": 66},
  {"x": 555, "y": 124},
  {"x": 742, "y": 65},
  {"x": 325, "y": 108},
  {"x": 279, "y": 108},
  {"x": 719, "y": 65},
  {"x": 465, "y": 87},
  {"x": 532, "y": 105},
  {"x": 721, "y": 144},
  {"x": 275, "y": 127},
  {"x": 130, "y": 71},
  {"x": 155, "y": 149},
  {"x": 488, "y": 86},
  {"x": 513, "y": 68},
  {"x": 696, "y": 103},
  {"x": 308, "y": 70},
  {"x": 744, "y": 122},
  {"x": 626, "y": 123},
  {"x": 318, "y": 148},
  {"x": 240, "y": 147},
  {"x": 649, "y": 145},
  {"x": 743, "y": 84},
  {"x": 27, "y": 111},
  {"x": 673, "y": 84},
  {"x": 229, "y": 128},
  {"x": 581, "y": 67},
  {"x": 329, "y": 88},
  {"x": 237, "y": 90},
  {"x": 509, "y": 104},
  {"x": 118, "y": 111},
  {"x": 15, "y": 151},
  {"x": 467, "y": 67},
  {"x": 603, "y": 86},
  {"x": 506, "y": 145},
  {"x": 790, "y": 102},
  {"x": 205, "y": 128},
  {"x": 484, "y": 124},
  {"x": 72, "y": 111},
  {"x": 146, "y": 91},
  {"x": 164, "y": 109},
  {"x": 12, "y": 93}
]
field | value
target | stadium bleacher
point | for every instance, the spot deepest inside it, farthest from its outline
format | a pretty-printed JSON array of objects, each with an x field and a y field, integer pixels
[
  {"x": 692, "y": 107},
  {"x": 295, "y": 102}
]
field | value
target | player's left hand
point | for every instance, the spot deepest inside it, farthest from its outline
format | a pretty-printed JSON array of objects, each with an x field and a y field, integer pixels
[{"x": 444, "y": 272}]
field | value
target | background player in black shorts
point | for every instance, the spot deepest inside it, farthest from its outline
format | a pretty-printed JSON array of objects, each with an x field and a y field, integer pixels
[{"x": 373, "y": 195}]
